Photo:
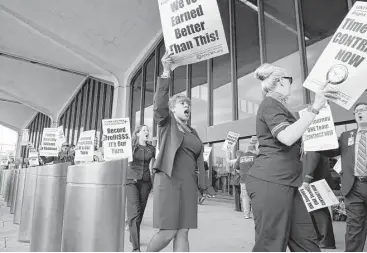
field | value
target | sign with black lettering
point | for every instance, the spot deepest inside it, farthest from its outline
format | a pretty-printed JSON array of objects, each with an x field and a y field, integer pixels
[
  {"x": 230, "y": 141},
  {"x": 117, "y": 142},
  {"x": 49, "y": 142},
  {"x": 318, "y": 195},
  {"x": 321, "y": 134},
  {"x": 193, "y": 30},
  {"x": 342, "y": 65},
  {"x": 33, "y": 157},
  {"x": 84, "y": 150},
  {"x": 253, "y": 140},
  {"x": 61, "y": 137}
]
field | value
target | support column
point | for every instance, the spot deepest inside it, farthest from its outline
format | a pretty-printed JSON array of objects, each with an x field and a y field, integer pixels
[
  {"x": 121, "y": 102},
  {"x": 121, "y": 109},
  {"x": 18, "y": 148}
]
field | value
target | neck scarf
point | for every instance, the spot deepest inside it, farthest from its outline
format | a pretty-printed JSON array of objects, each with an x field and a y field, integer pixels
[{"x": 280, "y": 97}]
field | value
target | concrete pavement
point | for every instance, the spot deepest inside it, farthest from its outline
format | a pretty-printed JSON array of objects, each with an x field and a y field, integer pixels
[{"x": 221, "y": 229}]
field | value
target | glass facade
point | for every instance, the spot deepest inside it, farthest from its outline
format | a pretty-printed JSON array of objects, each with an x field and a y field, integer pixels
[
  {"x": 288, "y": 33},
  {"x": 35, "y": 127},
  {"x": 92, "y": 103}
]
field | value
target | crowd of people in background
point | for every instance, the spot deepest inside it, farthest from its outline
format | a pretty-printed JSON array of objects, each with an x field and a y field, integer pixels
[{"x": 263, "y": 179}]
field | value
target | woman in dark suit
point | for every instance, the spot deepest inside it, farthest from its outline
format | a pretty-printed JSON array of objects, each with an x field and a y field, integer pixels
[
  {"x": 138, "y": 182},
  {"x": 280, "y": 216},
  {"x": 179, "y": 163}
]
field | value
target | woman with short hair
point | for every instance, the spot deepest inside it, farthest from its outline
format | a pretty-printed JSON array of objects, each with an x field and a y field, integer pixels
[
  {"x": 280, "y": 216},
  {"x": 179, "y": 163}
]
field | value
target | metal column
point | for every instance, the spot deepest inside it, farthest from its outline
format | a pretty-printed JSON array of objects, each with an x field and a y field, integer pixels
[{"x": 95, "y": 207}]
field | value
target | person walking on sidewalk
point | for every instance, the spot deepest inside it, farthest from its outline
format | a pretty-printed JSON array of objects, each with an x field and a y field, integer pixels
[
  {"x": 179, "y": 168},
  {"x": 138, "y": 182},
  {"x": 244, "y": 164},
  {"x": 280, "y": 216},
  {"x": 235, "y": 178}
]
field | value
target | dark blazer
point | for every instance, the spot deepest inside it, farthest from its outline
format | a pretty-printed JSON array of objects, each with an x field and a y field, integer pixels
[
  {"x": 317, "y": 166},
  {"x": 136, "y": 171},
  {"x": 347, "y": 153},
  {"x": 170, "y": 137}
]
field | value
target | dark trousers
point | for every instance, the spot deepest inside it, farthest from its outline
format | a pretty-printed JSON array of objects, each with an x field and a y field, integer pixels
[
  {"x": 137, "y": 194},
  {"x": 356, "y": 207},
  {"x": 281, "y": 218},
  {"x": 237, "y": 197},
  {"x": 324, "y": 226}
]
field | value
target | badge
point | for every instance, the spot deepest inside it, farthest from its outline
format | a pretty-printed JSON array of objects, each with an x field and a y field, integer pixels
[{"x": 350, "y": 141}]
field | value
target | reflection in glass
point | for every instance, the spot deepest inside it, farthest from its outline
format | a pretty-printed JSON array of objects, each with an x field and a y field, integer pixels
[
  {"x": 282, "y": 44},
  {"x": 149, "y": 92},
  {"x": 222, "y": 90},
  {"x": 321, "y": 19},
  {"x": 179, "y": 80},
  {"x": 220, "y": 168},
  {"x": 244, "y": 143},
  {"x": 136, "y": 101},
  {"x": 199, "y": 95},
  {"x": 248, "y": 59}
]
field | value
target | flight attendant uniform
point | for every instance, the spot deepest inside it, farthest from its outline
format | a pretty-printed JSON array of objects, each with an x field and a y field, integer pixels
[{"x": 281, "y": 218}]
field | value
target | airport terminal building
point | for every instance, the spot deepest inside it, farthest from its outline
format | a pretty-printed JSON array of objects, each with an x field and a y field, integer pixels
[{"x": 84, "y": 61}]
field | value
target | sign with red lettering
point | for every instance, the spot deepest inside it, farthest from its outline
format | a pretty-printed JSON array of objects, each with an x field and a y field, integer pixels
[{"x": 193, "y": 30}]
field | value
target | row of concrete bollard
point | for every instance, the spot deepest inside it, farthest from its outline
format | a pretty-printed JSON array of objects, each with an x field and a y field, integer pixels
[{"x": 68, "y": 208}]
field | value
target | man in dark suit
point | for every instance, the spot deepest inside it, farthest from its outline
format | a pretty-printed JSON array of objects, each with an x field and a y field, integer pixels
[
  {"x": 352, "y": 148},
  {"x": 316, "y": 167}
]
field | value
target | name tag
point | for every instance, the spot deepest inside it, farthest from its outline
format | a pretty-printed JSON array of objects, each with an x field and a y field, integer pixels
[{"x": 350, "y": 141}]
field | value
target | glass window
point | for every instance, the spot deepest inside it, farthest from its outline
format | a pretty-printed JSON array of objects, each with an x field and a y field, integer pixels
[
  {"x": 282, "y": 43},
  {"x": 199, "y": 95},
  {"x": 220, "y": 168},
  {"x": 321, "y": 19},
  {"x": 179, "y": 80},
  {"x": 244, "y": 143},
  {"x": 136, "y": 101},
  {"x": 149, "y": 93},
  {"x": 222, "y": 90},
  {"x": 248, "y": 59}
]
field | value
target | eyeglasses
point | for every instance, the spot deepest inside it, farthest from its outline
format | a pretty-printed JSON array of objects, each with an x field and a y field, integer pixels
[
  {"x": 360, "y": 110},
  {"x": 289, "y": 78}
]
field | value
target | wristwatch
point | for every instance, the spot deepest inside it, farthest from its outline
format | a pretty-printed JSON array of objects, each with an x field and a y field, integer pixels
[{"x": 313, "y": 110}]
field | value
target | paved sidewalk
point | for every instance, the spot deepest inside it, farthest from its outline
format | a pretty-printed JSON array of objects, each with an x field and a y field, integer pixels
[
  {"x": 9, "y": 232},
  {"x": 220, "y": 229}
]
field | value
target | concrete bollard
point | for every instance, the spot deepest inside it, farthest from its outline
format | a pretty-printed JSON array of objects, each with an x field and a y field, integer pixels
[
  {"x": 48, "y": 209},
  {"x": 95, "y": 207}
]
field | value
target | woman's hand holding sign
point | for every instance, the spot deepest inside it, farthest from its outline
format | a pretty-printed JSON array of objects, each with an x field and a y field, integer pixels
[
  {"x": 167, "y": 62},
  {"x": 322, "y": 96}
]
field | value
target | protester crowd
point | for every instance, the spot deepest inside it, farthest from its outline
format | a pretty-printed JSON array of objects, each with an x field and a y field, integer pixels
[{"x": 264, "y": 178}]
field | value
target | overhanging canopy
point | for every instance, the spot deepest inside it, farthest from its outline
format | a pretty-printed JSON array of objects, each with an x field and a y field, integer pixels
[{"x": 48, "y": 47}]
